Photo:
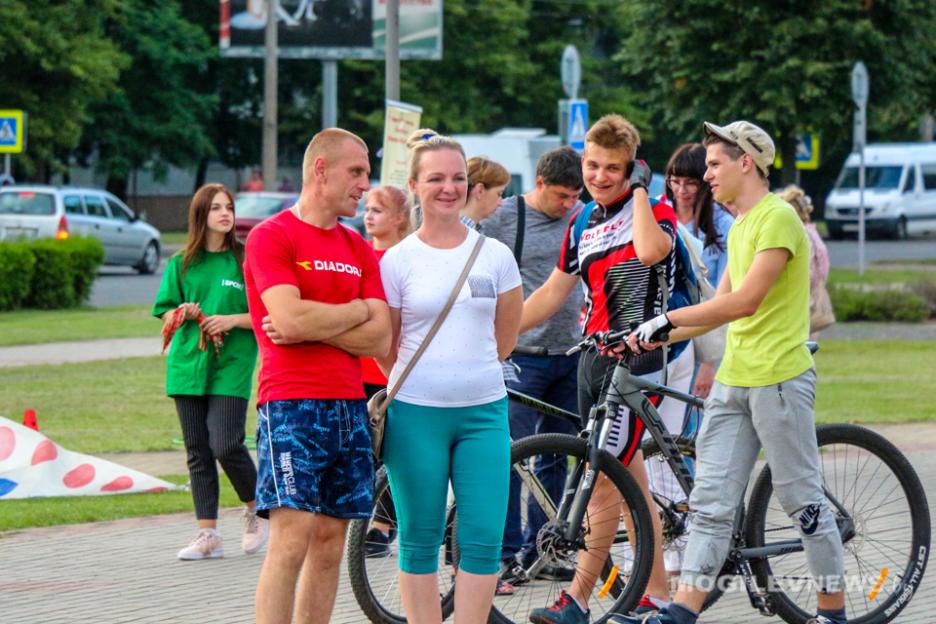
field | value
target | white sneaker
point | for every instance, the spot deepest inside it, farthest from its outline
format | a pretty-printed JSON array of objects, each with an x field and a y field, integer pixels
[
  {"x": 256, "y": 531},
  {"x": 206, "y": 545}
]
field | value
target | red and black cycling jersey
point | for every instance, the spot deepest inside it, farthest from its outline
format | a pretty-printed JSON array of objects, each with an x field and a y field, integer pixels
[{"x": 618, "y": 288}]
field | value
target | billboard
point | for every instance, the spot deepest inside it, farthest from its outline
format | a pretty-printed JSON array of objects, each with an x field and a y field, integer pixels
[{"x": 331, "y": 29}]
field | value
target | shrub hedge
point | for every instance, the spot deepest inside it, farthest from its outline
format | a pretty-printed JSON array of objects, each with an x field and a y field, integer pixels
[
  {"x": 16, "y": 271},
  {"x": 890, "y": 304},
  {"x": 48, "y": 273}
]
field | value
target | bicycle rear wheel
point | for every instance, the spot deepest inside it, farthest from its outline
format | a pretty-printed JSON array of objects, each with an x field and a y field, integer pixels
[
  {"x": 374, "y": 580},
  {"x": 622, "y": 579},
  {"x": 886, "y": 525}
]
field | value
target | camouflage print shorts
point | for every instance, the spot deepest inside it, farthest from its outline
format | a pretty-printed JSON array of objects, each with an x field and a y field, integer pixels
[{"x": 315, "y": 455}]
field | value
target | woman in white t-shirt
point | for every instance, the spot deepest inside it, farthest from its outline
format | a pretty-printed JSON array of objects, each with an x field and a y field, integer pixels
[{"x": 449, "y": 419}]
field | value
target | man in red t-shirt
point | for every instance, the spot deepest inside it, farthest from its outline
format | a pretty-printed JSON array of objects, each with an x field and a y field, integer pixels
[{"x": 317, "y": 306}]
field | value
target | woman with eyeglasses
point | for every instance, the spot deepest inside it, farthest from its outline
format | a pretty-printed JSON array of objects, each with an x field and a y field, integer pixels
[{"x": 691, "y": 196}]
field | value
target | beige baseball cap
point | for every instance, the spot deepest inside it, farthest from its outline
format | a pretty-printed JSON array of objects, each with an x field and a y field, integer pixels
[{"x": 750, "y": 138}]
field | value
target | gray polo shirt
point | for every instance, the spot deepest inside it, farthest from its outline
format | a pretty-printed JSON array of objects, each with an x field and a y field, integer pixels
[{"x": 541, "y": 245}]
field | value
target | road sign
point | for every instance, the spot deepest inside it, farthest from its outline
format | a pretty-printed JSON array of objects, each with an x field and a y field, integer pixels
[
  {"x": 807, "y": 151},
  {"x": 12, "y": 131},
  {"x": 578, "y": 123},
  {"x": 860, "y": 84},
  {"x": 571, "y": 71}
]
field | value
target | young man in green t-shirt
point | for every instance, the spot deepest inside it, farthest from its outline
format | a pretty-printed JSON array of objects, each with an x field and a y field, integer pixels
[{"x": 766, "y": 385}]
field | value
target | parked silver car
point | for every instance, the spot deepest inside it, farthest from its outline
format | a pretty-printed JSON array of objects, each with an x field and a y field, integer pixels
[{"x": 40, "y": 211}]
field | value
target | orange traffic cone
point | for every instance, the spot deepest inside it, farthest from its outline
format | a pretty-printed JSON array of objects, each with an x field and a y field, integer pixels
[{"x": 29, "y": 419}]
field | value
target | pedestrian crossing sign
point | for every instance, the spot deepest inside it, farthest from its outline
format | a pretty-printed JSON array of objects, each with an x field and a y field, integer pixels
[
  {"x": 12, "y": 131},
  {"x": 578, "y": 123}
]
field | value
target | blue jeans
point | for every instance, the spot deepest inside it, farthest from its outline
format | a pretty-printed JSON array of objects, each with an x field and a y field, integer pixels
[{"x": 552, "y": 379}]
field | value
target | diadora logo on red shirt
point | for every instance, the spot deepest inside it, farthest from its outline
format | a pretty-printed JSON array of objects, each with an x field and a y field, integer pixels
[{"x": 330, "y": 265}]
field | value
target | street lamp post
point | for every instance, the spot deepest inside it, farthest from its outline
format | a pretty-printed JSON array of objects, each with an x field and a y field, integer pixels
[
  {"x": 392, "y": 50},
  {"x": 269, "y": 98}
]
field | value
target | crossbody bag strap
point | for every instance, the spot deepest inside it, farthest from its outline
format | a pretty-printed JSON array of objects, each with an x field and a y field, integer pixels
[
  {"x": 438, "y": 323},
  {"x": 521, "y": 228},
  {"x": 697, "y": 261}
]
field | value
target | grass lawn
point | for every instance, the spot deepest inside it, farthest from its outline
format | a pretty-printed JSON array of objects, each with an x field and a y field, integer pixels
[
  {"x": 120, "y": 406},
  {"x": 876, "y": 381},
  {"x": 39, "y": 326},
  {"x": 98, "y": 407},
  {"x": 42, "y": 512},
  {"x": 173, "y": 238},
  {"x": 877, "y": 274}
]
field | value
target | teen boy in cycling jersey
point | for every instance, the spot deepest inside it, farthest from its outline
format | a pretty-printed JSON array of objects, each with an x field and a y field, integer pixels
[
  {"x": 615, "y": 256},
  {"x": 765, "y": 389}
]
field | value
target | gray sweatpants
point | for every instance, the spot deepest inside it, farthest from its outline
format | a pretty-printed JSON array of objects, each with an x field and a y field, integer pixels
[{"x": 737, "y": 422}]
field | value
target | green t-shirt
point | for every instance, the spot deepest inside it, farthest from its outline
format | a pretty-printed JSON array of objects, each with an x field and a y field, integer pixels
[
  {"x": 216, "y": 281},
  {"x": 770, "y": 346}
]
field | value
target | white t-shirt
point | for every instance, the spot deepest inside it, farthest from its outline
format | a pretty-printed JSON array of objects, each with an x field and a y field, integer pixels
[{"x": 460, "y": 366}]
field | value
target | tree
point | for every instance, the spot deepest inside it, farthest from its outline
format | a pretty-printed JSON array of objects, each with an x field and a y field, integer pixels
[
  {"x": 160, "y": 111},
  {"x": 54, "y": 62},
  {"x": 500, "y": 67},
  {"x": 783, "y": 65}
]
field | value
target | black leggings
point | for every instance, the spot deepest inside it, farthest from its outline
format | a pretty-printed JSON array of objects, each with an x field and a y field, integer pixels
[{"x": 213, "y": 428}]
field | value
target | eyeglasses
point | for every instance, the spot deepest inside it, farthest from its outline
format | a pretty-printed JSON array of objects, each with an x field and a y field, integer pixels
[{"x": 686, "y": 183}]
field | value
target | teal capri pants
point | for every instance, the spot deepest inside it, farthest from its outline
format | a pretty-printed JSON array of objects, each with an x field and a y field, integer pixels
[{"x": 424, "y": 447}]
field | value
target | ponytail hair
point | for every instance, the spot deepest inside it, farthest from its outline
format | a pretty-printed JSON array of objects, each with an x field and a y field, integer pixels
[{"x": 427, "y": 140}]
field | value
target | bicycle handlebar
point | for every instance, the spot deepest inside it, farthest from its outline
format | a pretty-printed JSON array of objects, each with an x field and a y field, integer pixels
[{"x": 607, "y": 339}]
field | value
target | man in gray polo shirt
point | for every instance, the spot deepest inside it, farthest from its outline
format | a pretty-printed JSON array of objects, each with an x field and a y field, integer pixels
[{"x": 552, "y": 377}]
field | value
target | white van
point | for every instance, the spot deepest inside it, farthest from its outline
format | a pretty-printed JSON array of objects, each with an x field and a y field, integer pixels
[{"x": 900, "y": 191}]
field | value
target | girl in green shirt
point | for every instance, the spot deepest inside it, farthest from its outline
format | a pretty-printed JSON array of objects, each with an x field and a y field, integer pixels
[{"x": 210, "y": 365}]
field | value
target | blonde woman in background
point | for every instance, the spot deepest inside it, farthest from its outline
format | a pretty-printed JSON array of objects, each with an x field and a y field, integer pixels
[
  {"x": 818, "y": 257},
  {"x": 486, "y": 183},
  {"x": 387, "y": 222}
]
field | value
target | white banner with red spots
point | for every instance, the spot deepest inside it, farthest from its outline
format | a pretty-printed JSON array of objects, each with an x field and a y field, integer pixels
[{"x": 32, "y": 465}]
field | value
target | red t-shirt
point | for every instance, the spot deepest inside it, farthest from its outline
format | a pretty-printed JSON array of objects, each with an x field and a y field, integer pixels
[
  {"x": 329, "y": 266},
  {"x": 369, "y": 369}
]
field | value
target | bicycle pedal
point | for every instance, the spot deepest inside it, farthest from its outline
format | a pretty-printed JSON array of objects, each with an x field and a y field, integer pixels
[{"x": 764, "y": 605}]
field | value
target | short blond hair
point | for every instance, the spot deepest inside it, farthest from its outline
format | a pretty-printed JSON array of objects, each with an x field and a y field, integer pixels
[
  {"x": 797, "y": 197},
  {"x": 485, "y": 171},
  {"x": 613, "y": 132},
  {"x": 427, "y": 140},
  {"x": 327, "y": 144}
]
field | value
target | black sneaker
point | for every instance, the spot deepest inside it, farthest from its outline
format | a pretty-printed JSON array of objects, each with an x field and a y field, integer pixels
[
  {"x": 555, "y": 573},
  {"x": 376, "y": 544},
  {"x": 514, "y": 573}
]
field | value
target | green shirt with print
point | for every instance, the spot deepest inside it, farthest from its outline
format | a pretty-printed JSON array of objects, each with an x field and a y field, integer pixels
[
  {"x": 770, "y": 346},
  {"x": 216, "y": 281}
]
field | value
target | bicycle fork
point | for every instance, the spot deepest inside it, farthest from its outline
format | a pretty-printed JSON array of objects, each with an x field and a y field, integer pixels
[{"x": 580, "y": 482}]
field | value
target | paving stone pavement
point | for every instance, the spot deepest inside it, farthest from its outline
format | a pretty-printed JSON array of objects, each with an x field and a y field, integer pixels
[{"x": 126, "y": 571}]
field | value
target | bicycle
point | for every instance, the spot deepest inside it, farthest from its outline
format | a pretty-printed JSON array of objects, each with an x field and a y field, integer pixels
[
  {"x": 374, "y": 581},
  {"x": 890, "y": 559}
]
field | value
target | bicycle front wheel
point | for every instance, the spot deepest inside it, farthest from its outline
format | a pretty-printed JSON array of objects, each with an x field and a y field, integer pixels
[
  {"x": 617, "y": 536},
  {"x": 881, "y": 509},
  {"x": 373, "y": 568}
]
